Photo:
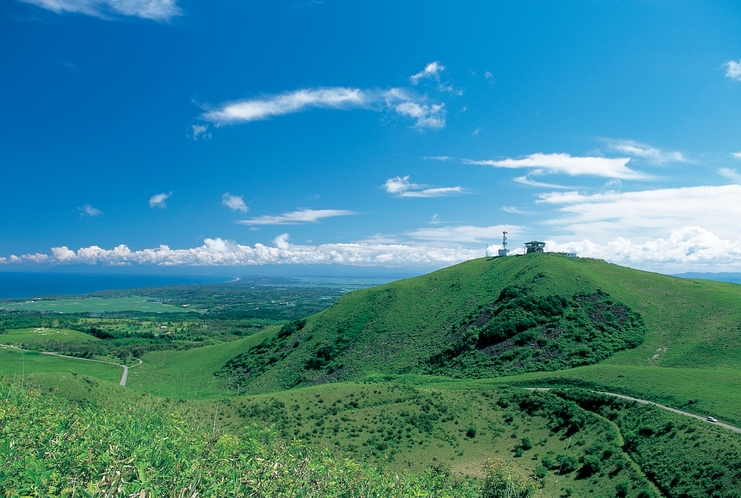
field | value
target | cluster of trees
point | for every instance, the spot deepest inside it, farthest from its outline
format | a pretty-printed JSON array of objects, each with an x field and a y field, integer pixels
[{"x": 523, "y": 331}]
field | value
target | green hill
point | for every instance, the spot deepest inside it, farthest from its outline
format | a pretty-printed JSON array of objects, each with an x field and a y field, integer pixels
[{"x": 503, "y": 316}]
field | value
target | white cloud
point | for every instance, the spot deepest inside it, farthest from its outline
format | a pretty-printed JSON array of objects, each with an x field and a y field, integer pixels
[
  {"x": 89, "y": 210},
  {"x": 648, "y": 213},
  {"x": 159, "y": 200},
  {"x": 488, "y": 75},
  {"x": 437, "y": 158},
  {"x": 651, "y": 154},
  {"x": 426, "y": 116},
  {"x": 731, "y": 174},
  {"x": 396, "y": 99},
  {"x": 435, "y": 220},
  {"x": 221, "y": 252},
  {"x": 513, "y": 210},
  {"x": 565, "y": 163},
  {"x": 200, "y": 131},
  {"x": 736, "y": 155},
  {"x": 158, "y": 10},
  {"x": 296, "y": 217},
  {"x": 524, "y": 180},
  {"x": 431, "y": 70},
  {"x": 688, "y": 248},
  {"x": 402, "y": 187},
  {"x": 463, "y": 233},
  {"x": 234, "y": 202},
  {"x": 734, "y": 70}
]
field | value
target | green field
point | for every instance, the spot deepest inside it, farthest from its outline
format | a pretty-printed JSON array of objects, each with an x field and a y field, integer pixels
[
  {"x": 18, "y": 364},
  {"x": 96, "y": 305},
  {"x": 43, "y": 334}
]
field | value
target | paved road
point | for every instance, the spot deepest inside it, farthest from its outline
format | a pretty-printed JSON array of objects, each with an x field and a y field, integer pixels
[
  {"x": 124, "y": 377},
  {"x": 645, "y": 402}
]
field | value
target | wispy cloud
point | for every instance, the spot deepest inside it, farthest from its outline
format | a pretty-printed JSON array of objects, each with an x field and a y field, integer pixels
[
  {"x": 200, "y": 131},
  {"x": 733, "y": 70},
  {"x": 731, "y": 174},
  {"x": 431, "y": 70},
  {"x": 89, "y": 210},
  {"x": 234, "y": 202},
  {"x": 396, "y": 99},
  {"x": 736, "y": 155},
  {"x": 157, "y": 10},
  {"x": 400, "y": 186},
  {"x": 159, "y": 200},
  {"x": 566, "y": 164},
  {"x": 463, "y": 233},
  {"x": 296, "y": 217},
  {"x": 524, "y": 180},
  {"x": 651, "y": 154},
  {"x": 647, "y": 213},
  {"x": 437, "y": 158}
]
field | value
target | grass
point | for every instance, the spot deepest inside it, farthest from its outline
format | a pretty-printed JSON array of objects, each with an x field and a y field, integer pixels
[
  {"x": 406, "y": 428},
  {"x": 43, "y": 334},
  {"x": 711, "y": 392},
  {"x": 189, "y": 374},
  {"x": 19, "y": 364},
  {"x": 96, "y": 305}
]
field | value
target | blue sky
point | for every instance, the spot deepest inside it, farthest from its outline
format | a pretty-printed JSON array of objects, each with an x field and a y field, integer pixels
[{"x": 178, "y": 132}]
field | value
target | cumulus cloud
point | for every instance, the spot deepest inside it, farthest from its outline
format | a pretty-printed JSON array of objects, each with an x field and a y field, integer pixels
[
  {"x": 425, "y": 116},
  {"x": 402, "y": 187},
  {"x": 733, "y": 70},
  {"x": 234, "y": 202},
  {"x": 431, "y": 70},
  {"x": 159, "y": 200},
  {"x": 463, "y": 233},
  {"x": 736, "y": 155},
  {"x": 89, "y": 210},
  {"x": 296, "y": 217},
  {"x": 157, "y": 10},
  {"x": 221, "y": 252},
  {"x": 565, "y": 163},
  {"x": 395, "y": 99},
  {"x": 651, "y": 154},
  {"x": 645, "y": 214},
  {"x": 688, "y": 248}
]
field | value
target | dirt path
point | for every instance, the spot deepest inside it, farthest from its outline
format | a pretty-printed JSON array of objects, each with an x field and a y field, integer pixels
[{"x": 645, "y": 402}]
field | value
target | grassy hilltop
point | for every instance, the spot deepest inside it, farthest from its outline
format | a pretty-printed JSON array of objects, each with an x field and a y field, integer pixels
[{"x": 503, "y": 316}]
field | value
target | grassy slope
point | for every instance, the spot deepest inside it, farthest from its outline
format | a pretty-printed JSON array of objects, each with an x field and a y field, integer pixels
[
  {"x": 16, "y": 364},
  {"x": 189, "y": 374},
  {"x": 404, "y": 322}
]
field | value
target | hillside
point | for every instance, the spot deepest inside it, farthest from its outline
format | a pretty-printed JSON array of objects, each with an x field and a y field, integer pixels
[{"x": 503, "y": 316}]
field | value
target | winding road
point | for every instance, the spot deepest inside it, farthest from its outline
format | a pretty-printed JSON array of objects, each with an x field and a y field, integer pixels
[
  {"x": 645, "y": 402},
  {"x": 124, "y": 376}
]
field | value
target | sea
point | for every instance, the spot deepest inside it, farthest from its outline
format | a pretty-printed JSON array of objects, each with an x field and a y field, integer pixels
[{"x": 35, "y": 284}]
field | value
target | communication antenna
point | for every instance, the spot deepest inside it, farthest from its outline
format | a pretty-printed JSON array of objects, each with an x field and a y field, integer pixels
[{"x": 503, "y": 251}]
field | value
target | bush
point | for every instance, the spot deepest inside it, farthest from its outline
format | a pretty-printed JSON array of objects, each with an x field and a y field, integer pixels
[{"x": 503, "y": 480}]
